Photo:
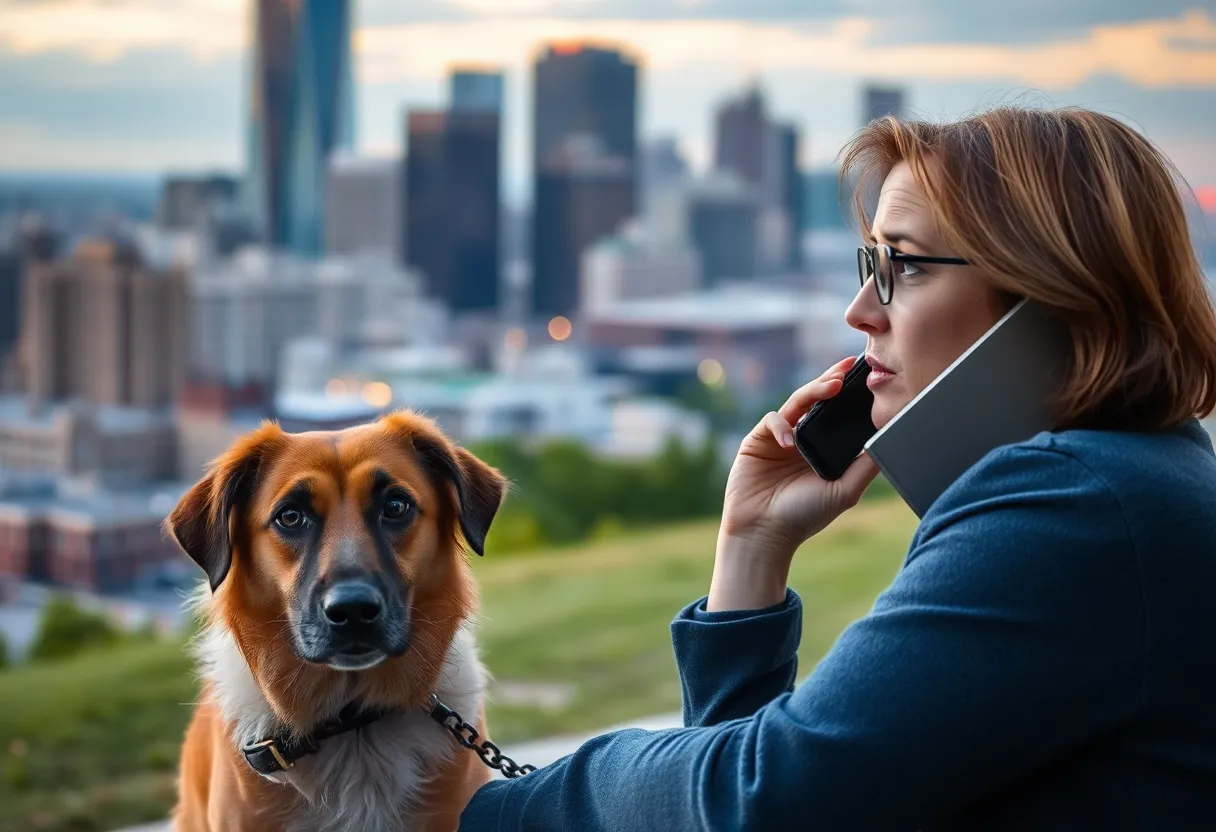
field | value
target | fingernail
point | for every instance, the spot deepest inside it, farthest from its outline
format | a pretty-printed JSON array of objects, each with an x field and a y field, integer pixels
[{"x": 787, "y": 440}]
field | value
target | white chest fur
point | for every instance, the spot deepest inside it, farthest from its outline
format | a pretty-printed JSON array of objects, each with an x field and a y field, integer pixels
[{"x": 368, "y": 780}]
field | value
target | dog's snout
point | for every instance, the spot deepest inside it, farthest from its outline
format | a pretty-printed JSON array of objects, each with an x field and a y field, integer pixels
[{"x": 352, "y": 606}]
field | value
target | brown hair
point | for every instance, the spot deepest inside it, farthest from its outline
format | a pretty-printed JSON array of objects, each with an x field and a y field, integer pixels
[{"x": 1078, "y": 212}]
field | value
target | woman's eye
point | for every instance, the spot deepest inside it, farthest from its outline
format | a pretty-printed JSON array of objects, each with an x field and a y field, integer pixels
[
  {"x": 290, "y": 518},
  {"x": 909, "y": 270},
  {"x": 396, "y": 508}
]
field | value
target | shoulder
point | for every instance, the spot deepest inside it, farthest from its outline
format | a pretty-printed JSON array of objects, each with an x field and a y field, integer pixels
[
  {"x": 1028, "y": 527},
  {"x": 1052, "y": 492},
  {"x": 1070, "y": 488}
]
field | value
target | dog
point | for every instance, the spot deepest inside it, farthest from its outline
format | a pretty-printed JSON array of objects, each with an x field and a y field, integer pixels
[{"x": 337, "y": 610}]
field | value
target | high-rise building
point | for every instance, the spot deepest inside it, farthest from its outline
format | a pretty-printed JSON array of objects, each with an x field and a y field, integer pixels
[
  {"x": 719, "y": 216},
  {"x": 761, "y": 154},
  {"x": 362, "y": 205},
  {"x": 584, "y": 149},
  {"x": 825, "y": 203},
  {"x": 187, "y": 201},
  {"x": 880, "y": 100},
  {"x": 11, "y": 272},
  {"x": 104, "y": 326},
  {"x": 475, "y": 89},
  {"x": 452, "y": 205},
  {"x": 584, "y": 89},
  {"x": 581, "y": 196},
  {"x": 741, "y": 137},
  {"x": 302, "y": 109},
  {"x": 663, "y": 165},
  {"x": 630, "y": 265},
  {"x": 786, "y": 178}
]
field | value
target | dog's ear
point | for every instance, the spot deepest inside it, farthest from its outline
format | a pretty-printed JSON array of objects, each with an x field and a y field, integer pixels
[
  {"x": 479, "y": 487},
  {"x": 202, "y": 521}
]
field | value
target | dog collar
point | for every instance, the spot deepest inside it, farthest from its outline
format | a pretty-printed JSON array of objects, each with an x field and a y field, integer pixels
[{"x": 279, "y": 752}]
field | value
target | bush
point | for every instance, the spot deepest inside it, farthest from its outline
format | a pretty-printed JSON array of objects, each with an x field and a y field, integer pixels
[
  {"x": 5, "y": 659},
  {"x": 65, "y": 630},
  {"x": 562, "y": 493}
]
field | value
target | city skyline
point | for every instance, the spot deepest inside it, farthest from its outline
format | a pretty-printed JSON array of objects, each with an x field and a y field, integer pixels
[{"x": 134, "y": 86}]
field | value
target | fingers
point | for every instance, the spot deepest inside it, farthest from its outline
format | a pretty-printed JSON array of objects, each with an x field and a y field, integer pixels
[
  {"x": 775, "y": 427},
  {"x": 824, "y": 387},
  {"x": 780, "y": 429}
]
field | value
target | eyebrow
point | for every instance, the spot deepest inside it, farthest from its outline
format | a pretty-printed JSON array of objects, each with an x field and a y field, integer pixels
[
  {"x": 299, "y": 492},
  {"x": 898, "y": 238}
]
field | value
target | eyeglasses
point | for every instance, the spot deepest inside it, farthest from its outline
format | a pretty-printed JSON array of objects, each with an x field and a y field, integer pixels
[{"x": 879, "y": 262}]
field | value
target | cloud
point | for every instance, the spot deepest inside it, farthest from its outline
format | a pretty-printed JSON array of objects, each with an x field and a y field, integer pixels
[
  {"x": 1153, "y": 53},
  {"x": 105, "y": 30},
  {"x": 939, "y": 21},
  {"x": 155, "y": 83}
]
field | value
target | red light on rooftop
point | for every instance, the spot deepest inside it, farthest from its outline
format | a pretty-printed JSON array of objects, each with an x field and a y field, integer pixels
[
  {"x": 1207, "y": 198},
  {"x": 567, "y": 48}
]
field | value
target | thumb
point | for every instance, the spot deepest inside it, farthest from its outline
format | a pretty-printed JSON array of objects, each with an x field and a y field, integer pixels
[{"x": 857, "y": 478}]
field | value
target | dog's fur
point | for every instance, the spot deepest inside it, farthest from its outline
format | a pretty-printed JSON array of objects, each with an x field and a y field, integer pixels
[{"x": 258, "y": 675}]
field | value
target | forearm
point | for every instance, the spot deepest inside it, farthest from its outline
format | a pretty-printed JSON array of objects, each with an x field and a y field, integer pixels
[{"x": 749, "y": 574}]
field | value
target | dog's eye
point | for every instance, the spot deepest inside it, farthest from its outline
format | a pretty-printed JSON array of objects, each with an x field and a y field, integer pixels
[
  {"x": 396, "y": 508},
  {"x": 290, "y": 518}
]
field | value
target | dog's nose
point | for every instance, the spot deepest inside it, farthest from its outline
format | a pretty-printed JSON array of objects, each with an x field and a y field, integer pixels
[{"x": 352, "y": 606}]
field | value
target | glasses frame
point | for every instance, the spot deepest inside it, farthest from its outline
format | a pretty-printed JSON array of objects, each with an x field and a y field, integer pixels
[{"x": 868, "y": 261}]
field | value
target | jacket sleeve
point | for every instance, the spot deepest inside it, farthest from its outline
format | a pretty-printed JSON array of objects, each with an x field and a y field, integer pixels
[
  {"x": 1014, "y": 634},
  {"x": 733, "y": 663}
]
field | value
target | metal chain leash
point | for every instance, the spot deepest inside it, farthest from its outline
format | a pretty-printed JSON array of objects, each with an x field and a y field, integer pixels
[{"x": 468, "y": 737}]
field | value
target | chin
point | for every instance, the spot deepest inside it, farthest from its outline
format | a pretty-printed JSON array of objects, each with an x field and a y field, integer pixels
[{"x": 882, "y": 413}]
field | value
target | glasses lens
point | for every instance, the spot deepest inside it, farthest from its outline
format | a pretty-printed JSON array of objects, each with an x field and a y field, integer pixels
[
  {"x": 863, "y": 265},
  {"x": 883, "y": 276}
]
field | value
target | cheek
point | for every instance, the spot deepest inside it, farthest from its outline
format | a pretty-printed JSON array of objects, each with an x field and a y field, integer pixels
[
  {"x": 275, "y": 570},
  {"x": 947, "y": 324},
  {"x": 422, "y": 559}
]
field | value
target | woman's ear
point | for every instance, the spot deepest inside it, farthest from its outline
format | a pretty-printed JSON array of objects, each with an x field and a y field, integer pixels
[{"x": 202, "y": 523}]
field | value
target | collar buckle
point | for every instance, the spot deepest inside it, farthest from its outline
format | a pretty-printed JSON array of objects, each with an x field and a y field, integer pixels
[{"x": 265, "y": 757}]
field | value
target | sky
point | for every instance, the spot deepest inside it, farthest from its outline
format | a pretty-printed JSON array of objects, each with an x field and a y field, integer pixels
[{"x": 151, "y": 86}]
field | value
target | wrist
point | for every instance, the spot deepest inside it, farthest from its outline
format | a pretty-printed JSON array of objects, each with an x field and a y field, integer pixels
[{"x": 750, "y": 573}]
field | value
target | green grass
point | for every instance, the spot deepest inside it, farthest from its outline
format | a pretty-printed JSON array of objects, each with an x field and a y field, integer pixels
[{"x": 91, "y": 743}]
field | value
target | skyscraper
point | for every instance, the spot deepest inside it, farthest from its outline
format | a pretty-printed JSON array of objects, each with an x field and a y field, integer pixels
[
  {"x": 452, "y": 199},
  {"x": 581, "y": 197},
  {"x": 787, "y": 179},
  {"x": 362, "y": 211},
  {"x": 106, "y": 326},
  {"x": 584, "y": 148},
  {"x": 763, "y": 155},
  {"x": 301, "y": 110},
  {"x": 476, "y": 90},
  {"x": 741, "y": 137},
  {"x": 881, "y": 101}
]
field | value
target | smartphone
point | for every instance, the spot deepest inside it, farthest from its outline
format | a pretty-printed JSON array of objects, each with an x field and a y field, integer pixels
[{"x": 835, "y": 431}]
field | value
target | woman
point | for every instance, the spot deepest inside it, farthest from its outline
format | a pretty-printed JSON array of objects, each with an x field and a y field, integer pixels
[{"x": 1046, "y": 657}]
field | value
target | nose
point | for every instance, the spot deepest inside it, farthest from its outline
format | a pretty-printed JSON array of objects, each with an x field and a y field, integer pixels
[
  {"x": 352, "y": 607},
  {"x": 865, "y": 313}
]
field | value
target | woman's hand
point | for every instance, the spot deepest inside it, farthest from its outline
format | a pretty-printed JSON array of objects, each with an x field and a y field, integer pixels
[{"x": 775, "y": 502}]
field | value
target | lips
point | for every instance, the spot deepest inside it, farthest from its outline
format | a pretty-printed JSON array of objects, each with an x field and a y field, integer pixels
[{"x": 878, "y": 367}]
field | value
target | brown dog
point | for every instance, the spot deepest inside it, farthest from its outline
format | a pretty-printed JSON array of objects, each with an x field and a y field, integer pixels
[{"x": 339, "y": 604}]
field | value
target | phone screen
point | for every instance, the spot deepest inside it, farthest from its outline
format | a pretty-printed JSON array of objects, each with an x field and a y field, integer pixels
[{"x": 834, "y": 431}]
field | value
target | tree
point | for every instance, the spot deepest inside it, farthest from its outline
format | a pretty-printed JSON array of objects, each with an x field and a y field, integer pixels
[{"x": 65, "y": 629}]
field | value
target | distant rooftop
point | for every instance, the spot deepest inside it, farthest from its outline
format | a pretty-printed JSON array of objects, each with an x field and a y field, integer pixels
[
  {"x": 733, "y": 307},
  {"x": 348, "y": 162},
  {"x": 71, "y": 502},
  {"x": 15, "y": 413},
  {"x": 315, "y": 405}
]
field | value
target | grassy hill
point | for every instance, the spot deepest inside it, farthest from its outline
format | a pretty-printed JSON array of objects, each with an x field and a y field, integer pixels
[{"x": 577, "y": 638}]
